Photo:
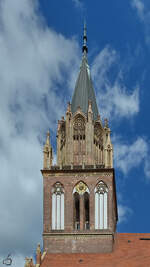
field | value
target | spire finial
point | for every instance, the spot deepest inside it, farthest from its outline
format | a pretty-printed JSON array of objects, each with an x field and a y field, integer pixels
[{"x": 84, "y": 48}]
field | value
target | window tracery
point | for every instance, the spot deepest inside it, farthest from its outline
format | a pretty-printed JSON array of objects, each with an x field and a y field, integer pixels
[
  {"x": 79, "y": 145},
  {"x": 79, "y": 128},
  {"x": 81, "y": 197}
]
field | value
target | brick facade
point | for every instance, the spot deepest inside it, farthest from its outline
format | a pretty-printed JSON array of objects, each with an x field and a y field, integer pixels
[
  {"x": 79, "y": 243},
  {"x": 69, "y": 239},
  {"x": 84, "y": 159},
  {"x": 80, "y": 207},
  {"x": 130, "y": 250}
]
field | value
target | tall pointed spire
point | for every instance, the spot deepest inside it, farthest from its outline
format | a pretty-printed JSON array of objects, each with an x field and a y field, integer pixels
[
  {"x": 84, "y": 48},
  {"x": 84, "y": 91}
]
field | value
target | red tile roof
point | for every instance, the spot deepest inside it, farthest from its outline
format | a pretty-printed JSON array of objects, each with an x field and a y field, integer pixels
[{"x": 129, "y": 251}]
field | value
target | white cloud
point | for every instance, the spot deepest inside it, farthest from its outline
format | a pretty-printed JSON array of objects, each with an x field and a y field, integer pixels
[
  {"x": 128, "y": 156},
  {"x": 113, "y": 97},
  {"x": 34, "y": 61},
  {"x": 139, "y": 5},
  {"x": 124, "y": 213},
  {"x": 102, "y": 63},
  {"x": 78, "y": 3},
  {"x": 147, "y": 167},
  {"x": 143, "y": 11}
]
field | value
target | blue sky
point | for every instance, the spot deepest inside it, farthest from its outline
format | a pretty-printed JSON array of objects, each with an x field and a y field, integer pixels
[
  {"x": 40, "y": 55},
  {"x": 119, "y": 27}
]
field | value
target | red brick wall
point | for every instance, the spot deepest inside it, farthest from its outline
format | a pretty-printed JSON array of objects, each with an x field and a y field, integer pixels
[
  {"x": 79, "y": 244},
  {"x": 129, "y": 251},
  {"x": 69, "y": 180}
]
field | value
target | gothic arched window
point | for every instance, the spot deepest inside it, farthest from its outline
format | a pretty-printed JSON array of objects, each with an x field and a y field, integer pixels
[
  {"x": 81, "y": 206},
  {"x": 58, "y": 207},
  {"x": 79, "y": 144},
  {"x": 76, "y": 211},
  {"x": 101, "y": 206},
  {"x": 79, "y": 128}
]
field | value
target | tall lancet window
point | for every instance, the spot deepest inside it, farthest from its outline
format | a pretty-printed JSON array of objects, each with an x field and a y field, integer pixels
[
  {"x": 58, "y": 207},
  {"x": 101, "y": 206},
  {"x": 81, "y": 195}
]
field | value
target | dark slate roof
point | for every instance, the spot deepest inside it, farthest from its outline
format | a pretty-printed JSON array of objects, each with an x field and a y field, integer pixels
[{"x": 84, "y": 90}]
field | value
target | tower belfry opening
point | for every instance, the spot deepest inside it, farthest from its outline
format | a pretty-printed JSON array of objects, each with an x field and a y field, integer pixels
[
  {"x": 77, "y": 211},
  {"x": 80, "y": 208},
  {"x": 86, "y": 208}
]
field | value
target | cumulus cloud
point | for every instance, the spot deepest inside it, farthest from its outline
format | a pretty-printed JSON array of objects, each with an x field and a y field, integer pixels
[
  {"x": 113, "y": 97},
  {"x": 128, "y": 156},
  {"x": 34, "y": 61},
  {"x": 124, "y": 213}
]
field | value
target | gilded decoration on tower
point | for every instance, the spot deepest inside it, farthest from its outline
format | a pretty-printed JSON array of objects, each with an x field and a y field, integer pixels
[{"x": 81, "y": 188}]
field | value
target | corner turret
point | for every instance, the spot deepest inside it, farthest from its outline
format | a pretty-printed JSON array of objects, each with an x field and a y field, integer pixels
[{"x": 47, "y": 153}]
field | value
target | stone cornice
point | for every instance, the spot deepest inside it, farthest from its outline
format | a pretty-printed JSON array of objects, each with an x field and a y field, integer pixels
[
  {"x": 80, "y": 170},
  {"x": 81, "y": 234}
]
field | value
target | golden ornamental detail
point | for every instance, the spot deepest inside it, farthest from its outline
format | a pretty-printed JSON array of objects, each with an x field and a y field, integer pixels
[{"x": 81, "y": 188}]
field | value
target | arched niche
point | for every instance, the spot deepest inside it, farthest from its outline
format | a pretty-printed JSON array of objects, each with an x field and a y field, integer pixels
[
  {"x": 81, "y": 196},
  {"x": 101, "y": 206},
  {"x": 58, "y": 206},
  {"x": 79, "y": 127}
]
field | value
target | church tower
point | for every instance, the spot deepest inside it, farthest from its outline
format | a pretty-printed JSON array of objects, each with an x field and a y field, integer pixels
[{"x": 80, "y": 208}]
